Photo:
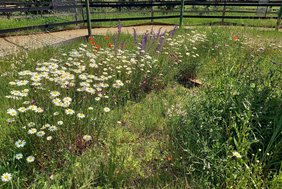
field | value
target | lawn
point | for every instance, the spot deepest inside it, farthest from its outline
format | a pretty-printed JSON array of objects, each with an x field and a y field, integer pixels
[{"x": 197, "y": 108}]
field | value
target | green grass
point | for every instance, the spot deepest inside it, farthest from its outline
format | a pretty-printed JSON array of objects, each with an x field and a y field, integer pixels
[
  {"x": 38, "y": 20},
  {"x": 23, "y": 22},
  {"x": 161, "y": 131}
]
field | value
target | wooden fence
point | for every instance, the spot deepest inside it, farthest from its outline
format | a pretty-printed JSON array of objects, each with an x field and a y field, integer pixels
[{"x": 13, "y": 7}]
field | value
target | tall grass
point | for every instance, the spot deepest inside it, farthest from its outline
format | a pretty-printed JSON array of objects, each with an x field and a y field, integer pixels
[
  {"x": 143, "y": 126},
  {"x": 226, "y": 138}
]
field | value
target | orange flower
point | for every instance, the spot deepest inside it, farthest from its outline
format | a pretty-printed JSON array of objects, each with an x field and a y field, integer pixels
[
  {"x": 110, "y": 45},
  {"x": 92, "y": 42},
  {"x": 107, "y": 38},
  {"x": 98, "y": 47},
  {"x": 169, "y": 158},
  {"x": 91, "y": 38},
  {"x": 235, "y": 38}
]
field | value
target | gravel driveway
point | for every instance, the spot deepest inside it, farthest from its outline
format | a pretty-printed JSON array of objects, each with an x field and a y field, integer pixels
[{"x": 14, "y": 44}]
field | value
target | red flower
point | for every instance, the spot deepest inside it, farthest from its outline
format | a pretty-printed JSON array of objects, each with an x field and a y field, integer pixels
[
  {"x": 235, "y": 38},
  {"x": 98, "y": 47},
  {"x": 169, "y": 158},
  {"x": 110, "y": 45},
  {"x": 92, "y": 42},
  {"x": 107, "y": 38}
]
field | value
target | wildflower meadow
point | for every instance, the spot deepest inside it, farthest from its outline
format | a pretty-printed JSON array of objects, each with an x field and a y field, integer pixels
[{"x": 187, "y": 108}]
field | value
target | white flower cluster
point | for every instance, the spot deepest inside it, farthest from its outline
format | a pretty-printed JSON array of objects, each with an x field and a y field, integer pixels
[
  {"x": 60, "y": 92},
  {"x": 188, "y": 42}
]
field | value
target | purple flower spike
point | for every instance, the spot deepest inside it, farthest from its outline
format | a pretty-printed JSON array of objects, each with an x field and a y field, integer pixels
[
  {"x": 144, "y": 41},
  {"x": 135, "y": 37},
  {"x": 115, "y": 43},
  {"x": 119, "y": 28},
  {"x": 163, "y": 34},
  {"x": 159, "y": 32},
  {"x": 122, "y": 45},
  {"x": 152, "y": 33},
  {"x": 172, "y": 32},
  {"x": 160, "y": 46}
]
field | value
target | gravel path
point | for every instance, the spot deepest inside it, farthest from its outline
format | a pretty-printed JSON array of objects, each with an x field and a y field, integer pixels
[{"x": 14, "y": 44}]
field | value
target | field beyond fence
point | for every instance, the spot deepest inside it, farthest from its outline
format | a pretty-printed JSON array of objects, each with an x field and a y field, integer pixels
[{"x": 20, "y": 17}]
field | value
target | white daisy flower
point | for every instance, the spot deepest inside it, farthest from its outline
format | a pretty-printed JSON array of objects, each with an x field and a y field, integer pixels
[
  {"x": 30, "y": 159},
  {"x": 12, "y": 83},
  {"x": 67, "y": 100},
  {"x": 87, "y": 138},
  {"x": 69, "y": 111},
  {"x": 80, "y": 115},
  {"x": 6, "y": 177},
  {"x": 40, "y": 133},
  {"x": 57, "y": 101},
  {"x": 22, "y": 82},
  {"x": 56, "y": 113},
  {"x": 53, "y": 128},
  {"x": 39, "y": 110},
  {"x": 106, "y": 109},
  {"x": 32, "y": 131},
  {"x": 22, "y": 109},
  {"x": 236, "y": 154},
  {"x": 32, "y": 107},
  {"x": 12, "y": 112},
  {"x": 45, "y": 126},
  {"x": 26, "y": 102},
  {"x": 60, "y": 122},
  {"x": 20, "y": 143},
  {"x": 30, "y": 124},
  {"x": 19, "y": 156}
]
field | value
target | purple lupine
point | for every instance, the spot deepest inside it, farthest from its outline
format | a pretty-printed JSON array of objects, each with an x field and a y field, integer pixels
[
  {"x": 135, "y": 37},
  {"x": 172, "y": 32},
  {"x": 122, "y": 45},
  {"x": 115, "y": 43},
  {"x": 119, "y": 28},
  {"x": 163, "y": 34},
  {"x": 144, "y": 41},
  {"x": 151, "y": 33},
  {"x": 160, "y": 46},
  {"x": 159, "y": 32}
]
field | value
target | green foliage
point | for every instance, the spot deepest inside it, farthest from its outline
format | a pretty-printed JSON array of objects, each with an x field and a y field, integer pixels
[
  {"x": 157, "y": 133},
  {"x": 227, "y": 138}
]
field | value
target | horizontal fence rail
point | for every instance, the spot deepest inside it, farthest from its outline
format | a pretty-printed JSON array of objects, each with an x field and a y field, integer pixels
[
  {"x": 133, "y": 4},
  {"x": 113, "y": 2},
  {"x": 47, "y": 6}
]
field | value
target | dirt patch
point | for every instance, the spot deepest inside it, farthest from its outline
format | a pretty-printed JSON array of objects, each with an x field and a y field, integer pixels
[{"x": 13, "y": 44}]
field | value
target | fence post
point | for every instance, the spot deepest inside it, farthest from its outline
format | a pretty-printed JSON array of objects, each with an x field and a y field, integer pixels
[
  {"x": 88, "y": 16},
  {"x": 223, "y": 12},
  {"x": 279, "y": 18},
  {"x": 181, "y": 13},
  {"x": 76, "y": 12},
  {"x": 152, "y": 12},
  {"x": 82, "y": 11}
]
